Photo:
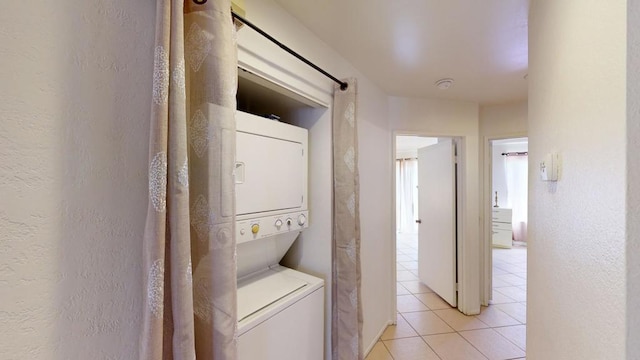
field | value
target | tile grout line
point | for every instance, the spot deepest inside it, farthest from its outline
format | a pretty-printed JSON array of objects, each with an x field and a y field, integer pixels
[
  {"x": 388, "y": 351},
  {"x": 464, "y": 338},
  {"x": 509, "y": 340},
  {"x": 504, "y": 268},
  {"x": 454, "y": 332}
]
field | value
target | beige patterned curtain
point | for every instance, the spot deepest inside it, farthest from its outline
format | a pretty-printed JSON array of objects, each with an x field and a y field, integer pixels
[
  {"x": 189, "y": 244},
  {"x": 347, "y": 307}
]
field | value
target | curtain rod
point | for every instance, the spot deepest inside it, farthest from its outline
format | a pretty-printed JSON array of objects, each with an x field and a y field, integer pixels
[
  {"x": 343, "y": 85},
  {"x": 515, "y": 154}
]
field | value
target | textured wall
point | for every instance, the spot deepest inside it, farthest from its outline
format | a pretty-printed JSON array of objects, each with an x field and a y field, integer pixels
[
  {"x": 75, "y": 85},
  {"x": 503, "y": 120},
  {"x": 633, "y": 179},
  {"x": 577, "y": 107}
]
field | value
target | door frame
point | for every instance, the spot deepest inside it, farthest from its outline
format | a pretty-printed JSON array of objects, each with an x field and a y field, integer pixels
[
  {"x": 486, "y": 262},
  {"x": 466, "y": 304}
]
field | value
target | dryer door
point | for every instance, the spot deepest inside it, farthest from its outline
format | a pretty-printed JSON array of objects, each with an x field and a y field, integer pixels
[{"x": 269, "y": 174}]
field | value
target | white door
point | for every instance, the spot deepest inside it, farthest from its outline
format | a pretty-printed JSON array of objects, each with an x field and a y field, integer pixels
[{"x": 437, "y": 214}]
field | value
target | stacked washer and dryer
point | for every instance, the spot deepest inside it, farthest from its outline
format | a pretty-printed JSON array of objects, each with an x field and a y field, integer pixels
[{"x": 280, "y": 310}]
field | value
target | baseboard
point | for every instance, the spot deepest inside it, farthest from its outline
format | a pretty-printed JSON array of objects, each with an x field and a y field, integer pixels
[{"x": 375, "y": 339}]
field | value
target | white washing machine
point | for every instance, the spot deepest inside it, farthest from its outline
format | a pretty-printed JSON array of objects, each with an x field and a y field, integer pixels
[
  {"x": 281, "y": 316},
  {"x": 280, "y": 310}
]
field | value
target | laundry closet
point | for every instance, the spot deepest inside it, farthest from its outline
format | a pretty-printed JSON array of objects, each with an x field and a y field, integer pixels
[{"x": 281, "y": 311}]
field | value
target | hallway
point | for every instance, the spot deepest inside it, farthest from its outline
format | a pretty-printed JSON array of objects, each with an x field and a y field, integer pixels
[{"x": 428, "y": 328}]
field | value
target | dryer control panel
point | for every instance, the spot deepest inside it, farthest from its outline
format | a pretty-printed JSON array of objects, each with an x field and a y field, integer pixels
[{"x": 261, "y": 227}]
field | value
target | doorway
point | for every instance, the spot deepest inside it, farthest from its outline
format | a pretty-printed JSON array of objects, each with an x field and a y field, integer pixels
[
  {"x": 426, "y": 260},
  {"x": 508, "y": 233}
]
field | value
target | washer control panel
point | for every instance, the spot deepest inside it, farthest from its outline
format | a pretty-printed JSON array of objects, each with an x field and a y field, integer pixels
[{"x": 261, "y": 227}]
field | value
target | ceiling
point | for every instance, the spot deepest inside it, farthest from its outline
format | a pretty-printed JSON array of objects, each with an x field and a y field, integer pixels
[
  {"x": 406, "y": 144},
  {"x": 405, "y": 46}
]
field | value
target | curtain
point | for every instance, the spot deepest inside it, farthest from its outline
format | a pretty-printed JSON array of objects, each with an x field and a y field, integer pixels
[
  {"x": 406, "y": 195},
  {"x": 346, "y": 302},
  {"x": 189, "y": 244},
  {"x": 517, "y": 186}
]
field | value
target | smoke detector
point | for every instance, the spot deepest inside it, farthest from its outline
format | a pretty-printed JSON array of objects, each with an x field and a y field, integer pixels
[{"x": 444, "y": 84}]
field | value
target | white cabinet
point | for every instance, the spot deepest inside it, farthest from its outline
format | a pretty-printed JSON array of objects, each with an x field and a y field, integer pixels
[{"x": 502, "y": 230}]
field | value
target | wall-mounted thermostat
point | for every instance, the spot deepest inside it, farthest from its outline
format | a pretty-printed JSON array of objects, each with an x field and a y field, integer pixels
[{"x": 549, "y": 167}]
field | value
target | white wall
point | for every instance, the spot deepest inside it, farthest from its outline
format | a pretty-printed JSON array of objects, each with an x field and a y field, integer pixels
[
  {"x": 577, "y": 102},
  {"x": 458, "y": 119},
  {"x": 74, "y": 102},
  {"x": 374, "y": 144},
  {"x": 312, "y": 253},
  {"x": 504, "y": 120},
  {"x": 633, "y": 179}
]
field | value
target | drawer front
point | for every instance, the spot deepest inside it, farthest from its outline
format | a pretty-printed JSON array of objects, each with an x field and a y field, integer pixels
[
  {"x": 501, "y": 226},
  {"x": 501, "y": 238},
  {"x": 501, "y": 215}
]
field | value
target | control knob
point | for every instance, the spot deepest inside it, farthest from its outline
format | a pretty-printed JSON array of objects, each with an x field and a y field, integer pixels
[
  {"x": 302, "y": 219},
  {"x": 289, "y": 221},
  {"x": 278, "y": 223}
]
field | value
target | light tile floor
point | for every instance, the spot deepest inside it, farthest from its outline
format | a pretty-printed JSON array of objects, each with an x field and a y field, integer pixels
[{"x": 428, "y": 328}]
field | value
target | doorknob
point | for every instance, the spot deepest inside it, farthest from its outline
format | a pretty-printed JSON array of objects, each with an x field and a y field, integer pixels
[{"x": 419, "y": 221}]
